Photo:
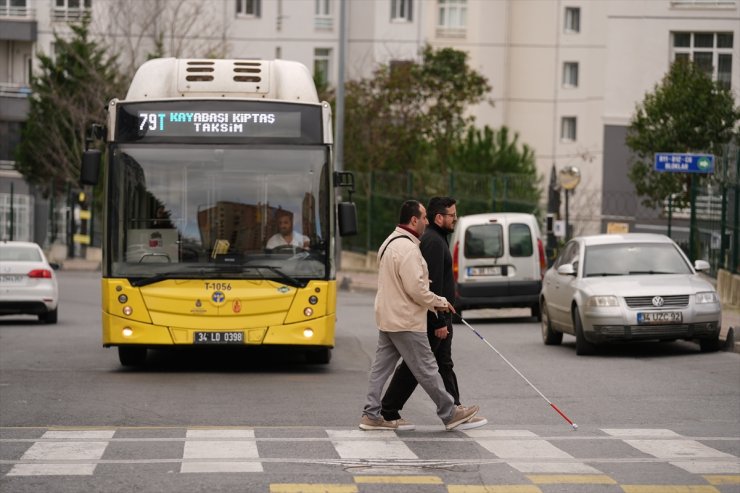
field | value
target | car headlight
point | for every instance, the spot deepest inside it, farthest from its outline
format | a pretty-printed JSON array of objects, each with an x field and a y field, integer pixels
[
  {"x": 707, "y": 297},
  {"x": 602, "y": 301}
]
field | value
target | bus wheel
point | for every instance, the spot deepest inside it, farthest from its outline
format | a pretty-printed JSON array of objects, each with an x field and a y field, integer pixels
[
  {"x": 319, "y": 356},
  {"x": 132, "y": 356}
]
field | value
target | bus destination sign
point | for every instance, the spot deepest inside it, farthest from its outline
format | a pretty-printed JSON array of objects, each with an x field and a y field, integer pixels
[{"x": 170, "y": 123}]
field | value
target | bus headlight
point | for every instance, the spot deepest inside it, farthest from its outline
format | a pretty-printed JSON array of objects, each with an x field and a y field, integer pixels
[
  {"x": 127, "y": 332},
  {"x": 127, "y": 310},
  {"x": 122, "y": 298},
  {"x": 308, "y": 311},
  {"x": 308, "y": 333},
  {"x": 313, "y": 299}
]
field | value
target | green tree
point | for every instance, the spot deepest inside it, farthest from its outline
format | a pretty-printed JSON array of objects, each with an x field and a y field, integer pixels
[
  {"x": 687, "y": 112},
  {"x": 408, "y": 115},
  {"x": 486, "y": 151},
  {"x": 69, "y": 94}
]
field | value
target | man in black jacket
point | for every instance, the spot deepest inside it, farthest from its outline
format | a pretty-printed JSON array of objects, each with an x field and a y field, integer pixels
[{"x": 442, "y": 214}]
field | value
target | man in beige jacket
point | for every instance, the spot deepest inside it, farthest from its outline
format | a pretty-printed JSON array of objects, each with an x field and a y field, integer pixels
[{"x": 401, "y": 304}]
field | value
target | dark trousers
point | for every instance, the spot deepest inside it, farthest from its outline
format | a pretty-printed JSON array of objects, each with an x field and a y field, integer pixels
[{"x": 403, "y": 382}]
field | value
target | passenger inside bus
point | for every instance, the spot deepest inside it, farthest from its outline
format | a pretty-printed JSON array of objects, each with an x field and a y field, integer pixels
[{"x": 287, "y": 238}]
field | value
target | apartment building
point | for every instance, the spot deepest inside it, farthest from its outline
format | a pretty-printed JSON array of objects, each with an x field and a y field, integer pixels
[{"x": 566, "y": 74}]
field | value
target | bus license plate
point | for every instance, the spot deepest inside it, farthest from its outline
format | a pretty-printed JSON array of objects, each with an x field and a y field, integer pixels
[
  {"x": 659, "y": 317},
  {"x": 484, "y": 271},
  {"x": 218, "y": 338}
]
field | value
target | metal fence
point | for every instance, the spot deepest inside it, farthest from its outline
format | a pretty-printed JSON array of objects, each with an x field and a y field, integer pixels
[{"x": 379, "y": 196}]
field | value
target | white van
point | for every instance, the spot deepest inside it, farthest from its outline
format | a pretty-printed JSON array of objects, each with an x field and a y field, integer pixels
[{"x": 498, "y": 261}]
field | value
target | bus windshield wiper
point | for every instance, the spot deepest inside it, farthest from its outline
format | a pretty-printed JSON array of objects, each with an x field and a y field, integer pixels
[
  {"x": 289, "y": 280},
  {"x": 162, "y": 276}
]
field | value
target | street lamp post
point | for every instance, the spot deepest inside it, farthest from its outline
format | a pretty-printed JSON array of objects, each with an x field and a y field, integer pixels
[{"x": 569, "y": 178}]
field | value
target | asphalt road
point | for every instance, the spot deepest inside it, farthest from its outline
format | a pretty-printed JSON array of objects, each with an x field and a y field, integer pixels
[{"x": 291, "y": 423}]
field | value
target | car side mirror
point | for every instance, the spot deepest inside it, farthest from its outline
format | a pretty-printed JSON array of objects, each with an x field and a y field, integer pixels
[
  {"x": 566, "y": 270},
  {"x": 701, "y": 265},
  {"x": 54, "y": 265}
]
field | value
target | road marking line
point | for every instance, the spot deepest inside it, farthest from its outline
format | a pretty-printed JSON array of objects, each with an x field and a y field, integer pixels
[
  {"x": 219, "y": 433},
  {"x": 659, "y": 488},
  {"x": 52, "y": 470},
  {"x": 554, "y": 467},
  {"x": 499, "y": 433},
  {"x": 530, "y": 449},
  {"x": 677, "y": 449},
  {"x": 504, "y": 488},
  {"x": 220, "y": 449},
  {"x": 709, "y": 467},
  {"x": 312, "y": 488},
  {"x": 723, "y": 478},
  {"x": 640, "y": 432},
  {"x": 571, "y": 479},
  {"x": 78, "y": 434},
  {"x": 51, "y": 451},
  {"x": 399, "y": 479}
]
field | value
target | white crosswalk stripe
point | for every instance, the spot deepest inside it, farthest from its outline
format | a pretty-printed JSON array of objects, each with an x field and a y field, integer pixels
[
  {"x": 45, "y": 451},
  {"x": 71, "y": 452},
  {"x": 666, "y": 444},
  {"x": 353, "y": 444},
  {"x": 229, "y": 451}
]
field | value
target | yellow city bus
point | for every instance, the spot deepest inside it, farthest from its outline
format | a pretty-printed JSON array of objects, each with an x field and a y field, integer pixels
[{"x": 220, "y": 209}]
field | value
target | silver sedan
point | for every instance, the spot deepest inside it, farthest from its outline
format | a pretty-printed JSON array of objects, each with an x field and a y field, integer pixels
[{"x": 627, "y": 287}]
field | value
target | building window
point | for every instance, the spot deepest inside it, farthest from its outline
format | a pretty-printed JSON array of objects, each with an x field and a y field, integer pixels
[
  {"x": 453, "y": 14},
  {"x": 70, "y": 10},
  {"x": 572, "y": 19},
  {"x": 712, "y": 52},
  {"x": 401, "y": 10},
  {"x": 248, "y": 8},
  {"x": 322, "y": 12},
  {"x": 568, "y": 129},
  {"x": 321, "y": 66},
  {"x": 570, "y": 74},
  {"x": 14, "y": 8}
]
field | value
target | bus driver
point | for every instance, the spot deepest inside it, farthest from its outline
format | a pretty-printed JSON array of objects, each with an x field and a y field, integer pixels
[{"x": 286, "y": 235}]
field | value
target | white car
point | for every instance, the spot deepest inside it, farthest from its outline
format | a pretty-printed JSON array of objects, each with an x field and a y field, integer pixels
[
  {"x": 28, "y": 283},
  {"x": 627, "y": 287}
]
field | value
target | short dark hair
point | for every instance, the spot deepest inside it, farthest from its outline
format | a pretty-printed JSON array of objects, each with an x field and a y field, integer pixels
[
  {"x": 409, "y": 209},
  {"x": 439, "y": 205}
]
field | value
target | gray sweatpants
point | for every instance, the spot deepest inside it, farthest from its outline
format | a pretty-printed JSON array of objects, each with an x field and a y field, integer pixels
[{"x": 414, "y": 348}]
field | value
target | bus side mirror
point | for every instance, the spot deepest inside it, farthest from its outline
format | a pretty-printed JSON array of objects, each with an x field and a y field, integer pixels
[
  {"x": 90, "y": 169},
  {"x": 347, "y": 214}
]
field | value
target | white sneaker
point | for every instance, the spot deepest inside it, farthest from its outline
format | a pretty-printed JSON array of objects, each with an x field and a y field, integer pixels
[{"x": 474, "y": 422}]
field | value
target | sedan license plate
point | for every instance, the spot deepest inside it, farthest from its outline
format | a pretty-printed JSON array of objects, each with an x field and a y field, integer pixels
[
  {"x": 11, "y": 279},
  {"x": 485, "y": 271},
  {"x": 218, "y": 338},
  {"x": 659, "y": 317}
]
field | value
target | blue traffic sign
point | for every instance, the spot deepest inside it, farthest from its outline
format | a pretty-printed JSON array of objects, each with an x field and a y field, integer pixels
[{"x": 684, "y": 163}]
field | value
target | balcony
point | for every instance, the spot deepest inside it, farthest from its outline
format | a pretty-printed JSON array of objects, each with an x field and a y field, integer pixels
[
  {"x": 17, "y": 23},
  {"x": 8, "y": 11},
  {"x": 323, "y": 23},
  {"x": 14, "y": 103},
  {"x": 67, "y": 14}
]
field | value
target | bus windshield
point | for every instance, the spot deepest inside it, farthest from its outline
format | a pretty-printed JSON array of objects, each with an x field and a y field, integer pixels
[{"x": 204, "y": 211}]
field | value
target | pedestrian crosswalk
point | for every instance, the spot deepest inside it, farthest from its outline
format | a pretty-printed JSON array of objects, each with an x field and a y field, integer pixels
[{"x": 369, "y": 457}]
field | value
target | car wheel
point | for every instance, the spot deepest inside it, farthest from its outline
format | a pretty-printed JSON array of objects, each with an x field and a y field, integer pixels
[
  {"x": 319, "y": 356},
  {"x": 549, "y": 336},
  {"x": 49, "y": 317},
  {"x": 709, "y": 345},
  {"x": 583, "y": 347},
  {"x": 537, "y": 312},
  {"x": 131, "y": 355}
]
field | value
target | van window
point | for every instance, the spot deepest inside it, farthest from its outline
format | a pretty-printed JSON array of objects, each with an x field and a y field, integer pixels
[
  {"x": 484, "y": 241},
  {"x": 520, "y": 240}
]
